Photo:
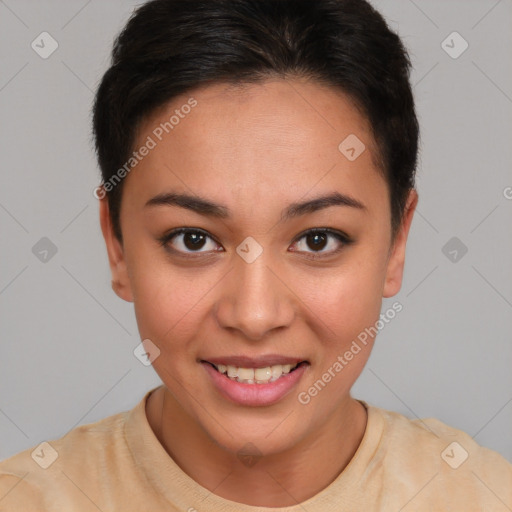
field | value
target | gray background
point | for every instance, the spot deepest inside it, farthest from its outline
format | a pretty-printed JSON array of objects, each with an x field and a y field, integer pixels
[{"x": 67, "y": 341}]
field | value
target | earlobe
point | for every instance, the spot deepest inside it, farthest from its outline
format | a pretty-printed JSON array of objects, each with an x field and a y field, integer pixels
[
  {"x": 120, "y": 279},
  {"x": 396, "y": 262}
]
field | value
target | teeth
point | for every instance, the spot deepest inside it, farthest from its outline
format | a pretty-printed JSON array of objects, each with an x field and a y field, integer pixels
[
  {"x": 276, "y": 372},
  {"x": 255, "y": 375},
  {"x": 263, "y": 374},
  {"x": 245, "y": 374}
]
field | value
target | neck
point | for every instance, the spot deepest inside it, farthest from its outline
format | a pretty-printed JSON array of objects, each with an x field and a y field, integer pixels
[{"x": 277, "y": 480}]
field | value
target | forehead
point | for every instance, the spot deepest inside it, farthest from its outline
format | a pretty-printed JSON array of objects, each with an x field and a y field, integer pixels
[{"x": 257, "y": 141}]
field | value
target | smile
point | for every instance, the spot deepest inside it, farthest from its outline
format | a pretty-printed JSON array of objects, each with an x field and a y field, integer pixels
[
  {"x": 255, "y": 375},
  {"x": 260, "y": 381}
]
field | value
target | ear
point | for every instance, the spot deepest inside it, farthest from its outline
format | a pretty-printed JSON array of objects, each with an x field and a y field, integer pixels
[
  {"x": 120, "y": 279},
  {"x": 395, "y": 267}
]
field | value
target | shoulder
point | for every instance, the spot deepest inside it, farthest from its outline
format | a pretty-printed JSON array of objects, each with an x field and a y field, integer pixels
[
  {"x": 50, "y": 474},
  {"x": 442, "y": 460}
]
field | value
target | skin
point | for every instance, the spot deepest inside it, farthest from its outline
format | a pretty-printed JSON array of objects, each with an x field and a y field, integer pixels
[{"x": 255, "y": 150}]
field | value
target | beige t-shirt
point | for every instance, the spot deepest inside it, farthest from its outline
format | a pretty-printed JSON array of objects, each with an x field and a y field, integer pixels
[{"x": 118, "y": 464}]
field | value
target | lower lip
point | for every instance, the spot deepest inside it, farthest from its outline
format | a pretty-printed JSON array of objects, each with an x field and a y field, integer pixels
[{"x": 255, "y": 394}]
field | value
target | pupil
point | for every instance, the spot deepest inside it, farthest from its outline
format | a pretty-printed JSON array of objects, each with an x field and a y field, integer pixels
[
  {"x": 195, "y": 240},
  {"x": 316, "y": 237}
]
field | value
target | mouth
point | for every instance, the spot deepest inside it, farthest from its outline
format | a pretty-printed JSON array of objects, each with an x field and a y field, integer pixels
[
  {"x": 256, "y": 375},
  {"x": 255, "y": 382}
]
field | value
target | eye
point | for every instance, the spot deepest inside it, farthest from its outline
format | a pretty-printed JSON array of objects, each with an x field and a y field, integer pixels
[
  {"x": 187, "y": 240},
  {"x": 321, "y": 241},
  {"x": 322, "y": 238}
]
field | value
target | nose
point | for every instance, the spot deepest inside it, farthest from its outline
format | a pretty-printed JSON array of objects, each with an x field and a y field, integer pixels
[{"x": 255, "y": 299}]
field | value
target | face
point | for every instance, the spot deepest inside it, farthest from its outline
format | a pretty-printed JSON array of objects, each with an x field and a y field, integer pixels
[{"x": 284, "y": 257}]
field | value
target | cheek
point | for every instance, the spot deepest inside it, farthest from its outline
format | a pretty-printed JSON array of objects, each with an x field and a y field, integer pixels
[
  {"x": 348, "y": 300},
  {"x": 168, "y": 299}
]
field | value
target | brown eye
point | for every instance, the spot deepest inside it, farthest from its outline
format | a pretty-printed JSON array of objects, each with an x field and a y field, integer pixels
[
  {"x": 187, "y": 241},
  {"x": 317, "y": 240},
  {"x": 193, "y": 241}
]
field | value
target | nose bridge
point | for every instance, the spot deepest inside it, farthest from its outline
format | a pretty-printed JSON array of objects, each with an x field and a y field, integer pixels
[{"x": 254, "y": 301}]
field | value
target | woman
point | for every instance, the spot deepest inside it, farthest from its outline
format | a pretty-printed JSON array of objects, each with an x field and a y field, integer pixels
[{"x": 258, "y": 161}]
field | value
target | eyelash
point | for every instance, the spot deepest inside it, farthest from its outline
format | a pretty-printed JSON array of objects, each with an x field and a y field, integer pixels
[{"x": 340, "y": 236}]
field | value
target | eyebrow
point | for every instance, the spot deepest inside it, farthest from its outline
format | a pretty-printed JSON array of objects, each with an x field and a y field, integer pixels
[{"x": 211, "y": 209}]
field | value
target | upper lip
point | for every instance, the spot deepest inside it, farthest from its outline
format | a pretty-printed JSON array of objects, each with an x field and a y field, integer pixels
[{"x": 254, "y": 362}]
